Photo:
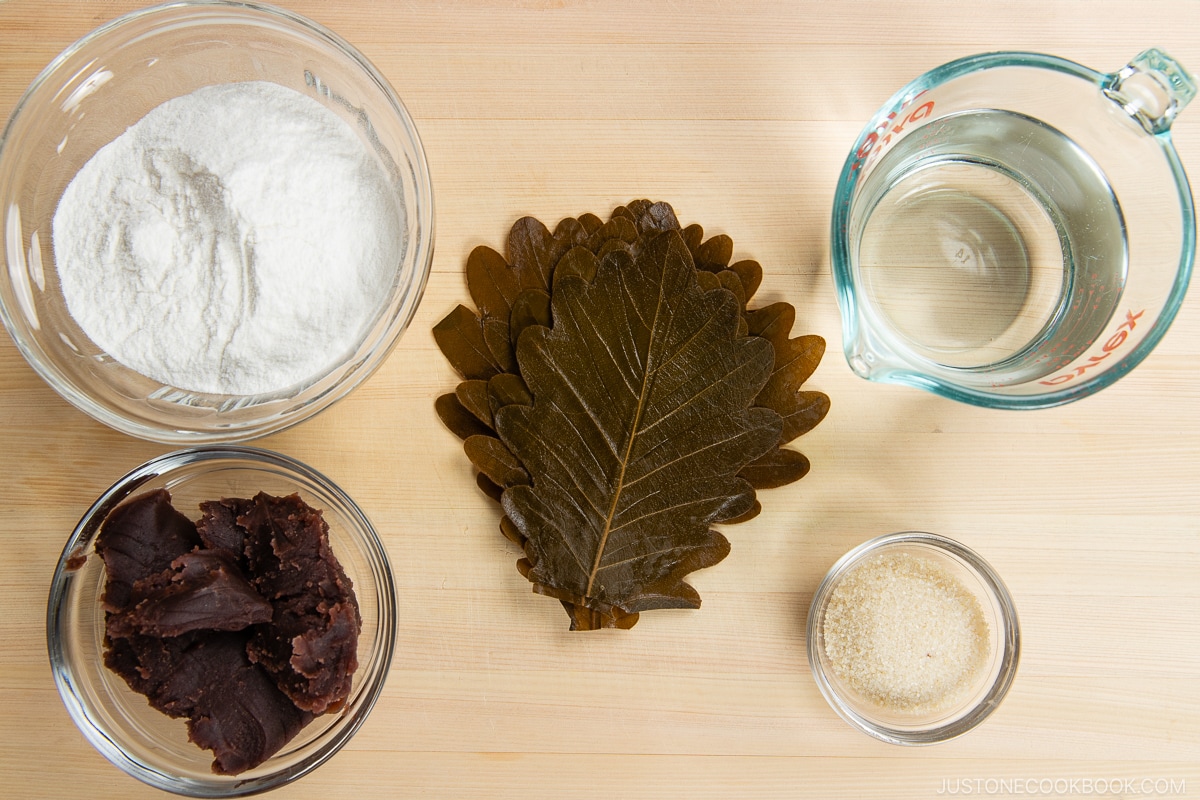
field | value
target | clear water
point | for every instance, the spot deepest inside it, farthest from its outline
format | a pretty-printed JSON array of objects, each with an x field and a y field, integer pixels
[{"x": 991, "y": 243}]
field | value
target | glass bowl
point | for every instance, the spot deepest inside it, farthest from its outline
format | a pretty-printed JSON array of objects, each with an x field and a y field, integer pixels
[
  {"x": 119, "y": 722},
  {"x": 976, "y": 698},
  {"x": 108, "y": 80}
]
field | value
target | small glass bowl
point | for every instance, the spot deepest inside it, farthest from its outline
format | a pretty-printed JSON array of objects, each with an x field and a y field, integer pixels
[
  {"x": 119, "y": 722},
  {"x": 108, "y": 80},
  {"x": 977, "y": 702}
]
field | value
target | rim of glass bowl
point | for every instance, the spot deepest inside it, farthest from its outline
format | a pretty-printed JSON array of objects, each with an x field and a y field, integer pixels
[
  {"x": 1010, "y": 639},
  {"x": 840, "y": 249},
  {"x": 81, "y": 709},
  {"x": 173, "y": 15}
]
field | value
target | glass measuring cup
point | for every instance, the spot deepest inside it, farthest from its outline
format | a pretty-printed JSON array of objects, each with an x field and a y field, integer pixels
[{"x": 1015, "y": 230}]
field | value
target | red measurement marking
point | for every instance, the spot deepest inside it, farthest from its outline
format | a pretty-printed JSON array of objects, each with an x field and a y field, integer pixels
[
  {"x": 889, "y": 128},
  {"x": 1114, "y": 342}
]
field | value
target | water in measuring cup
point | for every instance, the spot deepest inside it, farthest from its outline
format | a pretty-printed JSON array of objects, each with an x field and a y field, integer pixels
[{"x": 992, "y": 243}]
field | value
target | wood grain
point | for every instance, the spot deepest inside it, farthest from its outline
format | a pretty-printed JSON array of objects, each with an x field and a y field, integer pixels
[{"x": 740, "y": 115}]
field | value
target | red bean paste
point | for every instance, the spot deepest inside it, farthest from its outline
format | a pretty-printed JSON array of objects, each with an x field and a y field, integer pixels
[{"x": 244, "y": 624}]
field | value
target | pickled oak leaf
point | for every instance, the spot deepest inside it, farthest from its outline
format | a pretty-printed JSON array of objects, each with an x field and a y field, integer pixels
[
  {"x": 619, "y": 230},
  {"x": 463, "y": 339},
  {"x": 532, "y": 249},
  {"x": 714, "y": 254},
  {"x": 461, "y": 422},
  {"x": 532, "y": 307},
  {"x": 492, "y": 283},
  {"x": 586, "y": 619},
  {"x": 583, "y": 618},
  {"x": 710, "y": 256},
  {"x": 711, "y": 280},
  {"x": 489, "y": 488},
  {"x": 475, "y": 398},
  {"x": 495, "y": 282},
  {"x": 642, "y": 417},
  {"x": 730, "y": 280},
  {"x": 795, "y": 361},
  {"x": 649, "y": 217},
  {"x": 495, "y": 461},
  {"x": 580, "y": 262},
  {"x": 777, "y": 468},
  {"x": 506, "y": 389},
  {"x": 468, "y": 413},
  {"x": 590, "y": 222},
  {"x": 478, "y": 346},
  {"x": 754, "y": 510},
  {"x": 499, "y": 288},
  {"x": 750, "y": 273}
]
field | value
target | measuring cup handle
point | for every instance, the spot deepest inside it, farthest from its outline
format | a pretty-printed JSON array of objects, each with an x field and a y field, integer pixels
[{"x": 1152, "y": 88}]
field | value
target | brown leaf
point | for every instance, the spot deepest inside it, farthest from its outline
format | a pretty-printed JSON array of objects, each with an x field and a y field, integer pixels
[
  {"x": 461, "y": 422},
  {"x": 535, "y": 247},
  {"x": 479, "y": 346},
  {"x": 649, "y": 217},
  {"x": 489, "y": 488},
  {"x": 532, "y": 307},
  {"x": 590, "y": 222},
  {"x": 493, "y": 285},
  {"x": 618, "y": 229},
  {"x": 795, "y": 361},
  {"x": 714, "y": 254},
  {"x": 495, "y": 336},
  {"x": 777, "y": 468},
  {"x": 579, "y": 262},
  {"x": 473, "y": 395},
  {"x": 753, "y": 512},
  {"x": 495, "y": 461},
  {"x": 641, "y": 420},
  {"x": 460, "y": 336},
  {"x": 805, "y": 412},
  {"x": 585, "y": 619},
  {"x": 750, "y": 274},
  {"x": 533, "y": 250},
  {"x": 733, "y": 282},
  {"x": 507, "y": 389},
  {"x": 511, "y": 533},
  {"x": 708, "y": 281},
  {"x": 773, "y": 322},
  {"x": 517, "y": 297}
]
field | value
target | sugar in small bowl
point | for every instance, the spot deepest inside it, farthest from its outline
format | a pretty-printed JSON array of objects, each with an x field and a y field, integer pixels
[
  {"x": 120, "y": 722},
  {"x": 217, "y": 221},
  {"x": 913, "y": 638}
]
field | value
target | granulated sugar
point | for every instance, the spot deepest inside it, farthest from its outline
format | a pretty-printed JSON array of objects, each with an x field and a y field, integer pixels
[
  {"x": 904, "y": 632},
  {"x": 235, "y": 240}
]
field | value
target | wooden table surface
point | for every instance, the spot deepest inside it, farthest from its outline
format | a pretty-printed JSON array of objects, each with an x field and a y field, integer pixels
[{"x": 740, "y": 115}]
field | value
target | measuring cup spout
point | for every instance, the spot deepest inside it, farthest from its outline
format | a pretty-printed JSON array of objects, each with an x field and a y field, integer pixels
[
  {"x": 1152, "y": 88},
  {"x": 868, "y": 356}
]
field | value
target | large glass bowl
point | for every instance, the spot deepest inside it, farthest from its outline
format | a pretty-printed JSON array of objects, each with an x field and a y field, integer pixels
[
  {"x": 119, "y": 722},
  {"x": 108, "y": 80}
]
